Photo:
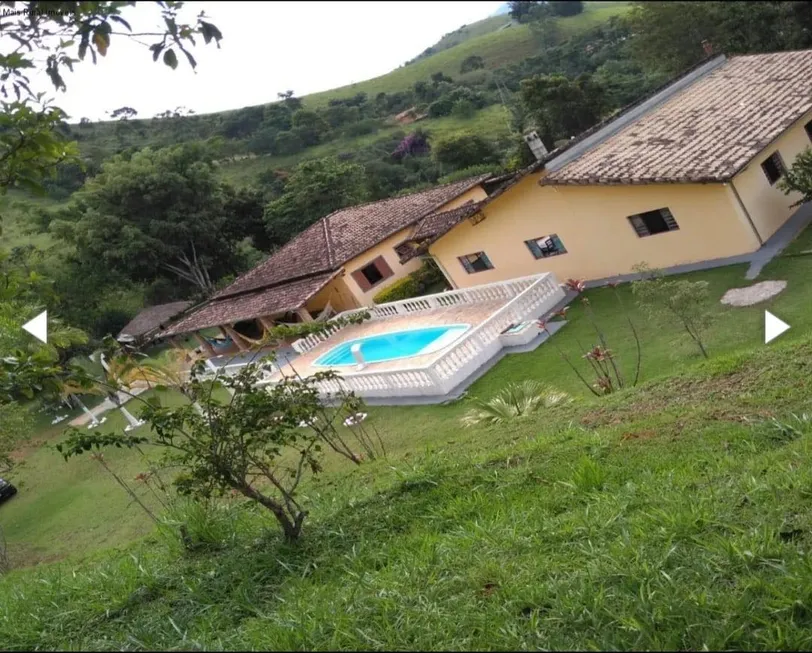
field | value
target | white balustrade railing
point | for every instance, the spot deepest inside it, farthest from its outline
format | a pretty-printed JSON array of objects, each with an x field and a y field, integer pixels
[
  {"x": 503, "y": 290},
  {"x": 304, "y": 345},
  {"x": 529, "y": 298},
  {"x": 485, "y": 292}
]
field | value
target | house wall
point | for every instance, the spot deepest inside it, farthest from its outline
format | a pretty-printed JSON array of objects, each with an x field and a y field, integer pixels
[
  {"x": 769, "y": 208},
  {"x": 386, "y": 249},
  {"x": 337, "y": 293},
  {"x": 591, "y": 221}
]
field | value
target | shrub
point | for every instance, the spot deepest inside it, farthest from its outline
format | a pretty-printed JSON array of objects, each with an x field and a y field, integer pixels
[
  {"x": 514, "y": 401},
  {"x": 362, "y": 128},
  {"x": 464, "y": 150},
  {"x": 288, "y": 143},
  {"x": 472, "y": 171},
  {"x": 473, "y": 62},
  {"x": 463, "y": 109},
  {"x": 404, "y": 288},
  {"x": 441, "y": 107},
  {"x": 686, "y": 300},
  {"x": 413, "y": 285}
]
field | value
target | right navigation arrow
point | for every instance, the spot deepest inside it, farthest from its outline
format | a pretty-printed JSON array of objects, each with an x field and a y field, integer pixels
[{"x": 773, "y": 327}]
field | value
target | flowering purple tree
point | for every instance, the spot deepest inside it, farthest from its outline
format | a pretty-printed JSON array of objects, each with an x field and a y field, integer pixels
[{"x": 415, "y": 144}]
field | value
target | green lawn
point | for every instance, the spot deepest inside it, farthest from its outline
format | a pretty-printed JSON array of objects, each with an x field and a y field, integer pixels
[{"x": 667, "y": 516}]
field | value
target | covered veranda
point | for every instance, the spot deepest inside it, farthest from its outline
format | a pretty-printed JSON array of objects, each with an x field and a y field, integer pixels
[{"x": 235, "y": 326}]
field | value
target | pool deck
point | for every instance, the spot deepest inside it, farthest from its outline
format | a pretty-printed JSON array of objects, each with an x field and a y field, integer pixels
[{"x": 473, "y": 314}]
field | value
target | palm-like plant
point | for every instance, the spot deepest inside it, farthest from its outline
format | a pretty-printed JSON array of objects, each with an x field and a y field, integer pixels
[{"x": 515, "y": 401}]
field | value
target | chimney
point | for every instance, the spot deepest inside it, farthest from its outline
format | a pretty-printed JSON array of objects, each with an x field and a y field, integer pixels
[
  {"x": 707, "y": 46},
  {"x": 536, "y": 146}
]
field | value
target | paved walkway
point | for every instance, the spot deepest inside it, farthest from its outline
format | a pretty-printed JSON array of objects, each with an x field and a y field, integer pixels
[{"x": 106, "y": 405}]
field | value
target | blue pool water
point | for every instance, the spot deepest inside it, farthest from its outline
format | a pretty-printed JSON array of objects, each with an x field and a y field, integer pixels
[{"x": 397, "y": 344}]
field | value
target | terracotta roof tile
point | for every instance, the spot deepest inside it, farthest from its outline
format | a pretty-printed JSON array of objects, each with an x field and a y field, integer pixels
[
  {"x": 265, "y": 301},
  {"x": 435, "y": 225},
  {"x": 442, "y": 222},
  {"x": 293, "y": 274},
  {"x": 708, "y": 131},
  {"x": 151, "y": 318},
  {"x": 344, "y": 234}
]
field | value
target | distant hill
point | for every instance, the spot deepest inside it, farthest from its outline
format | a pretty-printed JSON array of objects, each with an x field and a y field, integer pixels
[
  {"x": 497, "y": 41},
  {"x": 464, "y": 33},
  {"x": 503, "y": 9},
  {"x": 486, "y": 38}
]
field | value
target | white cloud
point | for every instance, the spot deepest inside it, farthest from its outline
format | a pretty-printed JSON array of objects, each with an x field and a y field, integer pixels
[{"x": 267, "y": 47}]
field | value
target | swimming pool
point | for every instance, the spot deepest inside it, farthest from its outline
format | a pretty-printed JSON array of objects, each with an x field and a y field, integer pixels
[{"x": 394, "y": 345}]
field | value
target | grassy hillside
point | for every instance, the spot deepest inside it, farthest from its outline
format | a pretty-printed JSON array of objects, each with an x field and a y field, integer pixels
[
  {"x": 15, "y": 221},
  {"x": 496, "y": 48},
  {"x": 492, "y": 121},
  {"x": 479, "y": 28},
  {"x": 671, "y": 516}
]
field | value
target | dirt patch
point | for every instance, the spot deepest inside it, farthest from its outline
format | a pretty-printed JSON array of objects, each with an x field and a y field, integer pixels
[
  {"x": 754, "y": 294},
  {"x": 638, "y": 435},
  {"x": 25, "y": 449}
]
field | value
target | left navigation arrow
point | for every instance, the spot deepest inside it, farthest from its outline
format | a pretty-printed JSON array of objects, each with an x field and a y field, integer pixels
[{"x": 38, "y": 327}]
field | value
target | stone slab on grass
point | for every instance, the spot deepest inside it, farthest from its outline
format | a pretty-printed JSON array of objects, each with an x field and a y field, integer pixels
[{"x": 754, "y": 294}]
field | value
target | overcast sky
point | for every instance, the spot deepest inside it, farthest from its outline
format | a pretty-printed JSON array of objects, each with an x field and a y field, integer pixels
[{"x": 267, "y": 47}]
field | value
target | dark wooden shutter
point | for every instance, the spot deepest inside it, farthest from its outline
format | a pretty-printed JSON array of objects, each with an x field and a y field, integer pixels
[
  {"x": 669, "y": 219},
  {"x": 534, "y": 248},
  {"x": 486, "y": 260},
  {"x": 361, "y": 280},
  {"x": 779, "y": 163},
  {"x": 466, "y": 264},
  {"x": 639, "y": 226},
  {"x": 558, "y": 244},
  {"x": 383, "y": 267}
]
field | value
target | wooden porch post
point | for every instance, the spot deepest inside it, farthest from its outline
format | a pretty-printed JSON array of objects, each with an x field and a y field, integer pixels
[
  {"x": 304, "y": 314},
  {"x": 241, "y": 344},
  {"x": 266, "y": 322},
  {"x": 204, "y": 344}
]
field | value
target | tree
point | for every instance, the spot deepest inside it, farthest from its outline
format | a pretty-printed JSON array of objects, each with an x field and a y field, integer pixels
[
  {"x": 123, "y": 113},
  {"x": 27, "y": 366},
  {"x": 666, "y": 299},
  {"x": 566, "y": 7},
  {"x": 562, "y": 108},
  {"x": 260, "y": 442},
  {"x": 463, "y": 109},
  {"x": 415, "y": 144},
  {"x": 158, "y": 213},
  {"x": 798, "y": 178},
  {"x": 309, "y": 126},
  {"x": 524, "y": 11},
  {"x": 474, "y": 62},
  {"x": 314, "y": 189},
  {"x": 242, "y": 122},
  {"x": 463, "y": 151},
  {"x": 30, "y": 145},
  {"x": 669, "y": 36}
]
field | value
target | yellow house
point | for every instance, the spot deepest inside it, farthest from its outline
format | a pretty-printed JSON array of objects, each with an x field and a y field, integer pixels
[
  {"x": 686, "y": 176},
  {"x": 336, "y": 264}
]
